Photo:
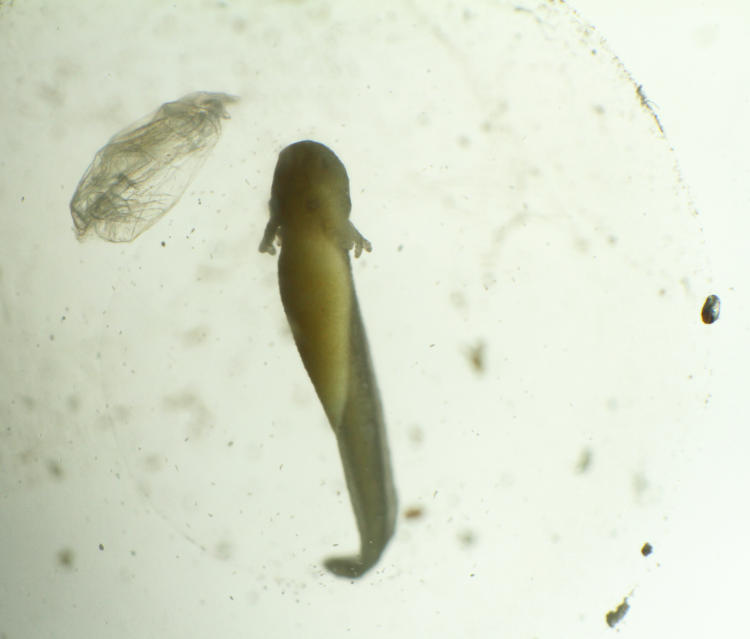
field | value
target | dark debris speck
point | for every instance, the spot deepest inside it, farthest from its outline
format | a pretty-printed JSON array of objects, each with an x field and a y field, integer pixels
[
  {"x": 711, "y": 309},
  {"x": 614, "y": 617},
  {"x": 65, "y": 557}
]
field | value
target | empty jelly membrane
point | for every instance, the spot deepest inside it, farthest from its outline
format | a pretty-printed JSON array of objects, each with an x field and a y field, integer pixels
[{"x": 143, "y": 171}]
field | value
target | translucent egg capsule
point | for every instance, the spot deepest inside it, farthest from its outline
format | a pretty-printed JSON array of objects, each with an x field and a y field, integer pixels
[{"x": 143, "y": 171}]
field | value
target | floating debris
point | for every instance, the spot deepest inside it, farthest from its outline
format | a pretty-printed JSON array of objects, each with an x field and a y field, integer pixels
[
  {"x": 615, "y": 616},
  {"x": 711, "y": 309},
  {"x": 476, "y": 356},
  {"x": 65, "y": 558},
  {"x": 414, "y": 512},
  {"x": 584, "y": 461}
]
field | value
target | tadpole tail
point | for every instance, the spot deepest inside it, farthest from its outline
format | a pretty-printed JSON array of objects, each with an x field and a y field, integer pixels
[{"x": 363, "y": 447}]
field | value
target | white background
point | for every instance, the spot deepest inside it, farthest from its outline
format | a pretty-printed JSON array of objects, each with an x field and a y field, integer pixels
[{"x": 166, "y": 470}]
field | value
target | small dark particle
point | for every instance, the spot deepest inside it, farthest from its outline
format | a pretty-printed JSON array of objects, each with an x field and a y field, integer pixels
[
  {"x": 73, "y": 403},
  {"x": 101, "y": 546},
  {"x": 416, "y": 435},
  {"x": 642, "y": 96},
  {"x": 615, "y": 616},
  {"x": 476, "y": 356},
  {"x": 54, "y": 468},
  {"x": 163, "y": 243},
  {"x": 223, "y": 550},
  {"x": 415, "y": 512},
  {"x": 467, "y": 538},
  {"x": 640, "y": 484},
  {"x": 647, "y": 549},
  {"x": 584, "y": 461},
  {"x": 710, "y": 310},
  {"x": 646, "y": 103},
  {"x": 65, "y": 557}
]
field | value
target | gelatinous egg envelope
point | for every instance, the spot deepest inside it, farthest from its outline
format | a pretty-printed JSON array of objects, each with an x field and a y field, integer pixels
[{"x": 143, "y": 171}]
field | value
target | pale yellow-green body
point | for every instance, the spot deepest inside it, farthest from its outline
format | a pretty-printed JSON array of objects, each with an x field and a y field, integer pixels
[{"x": 310, "y": 208}]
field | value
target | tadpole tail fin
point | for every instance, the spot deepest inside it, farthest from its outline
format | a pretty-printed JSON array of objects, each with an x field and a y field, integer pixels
[{"x": 363, "y": 447}]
